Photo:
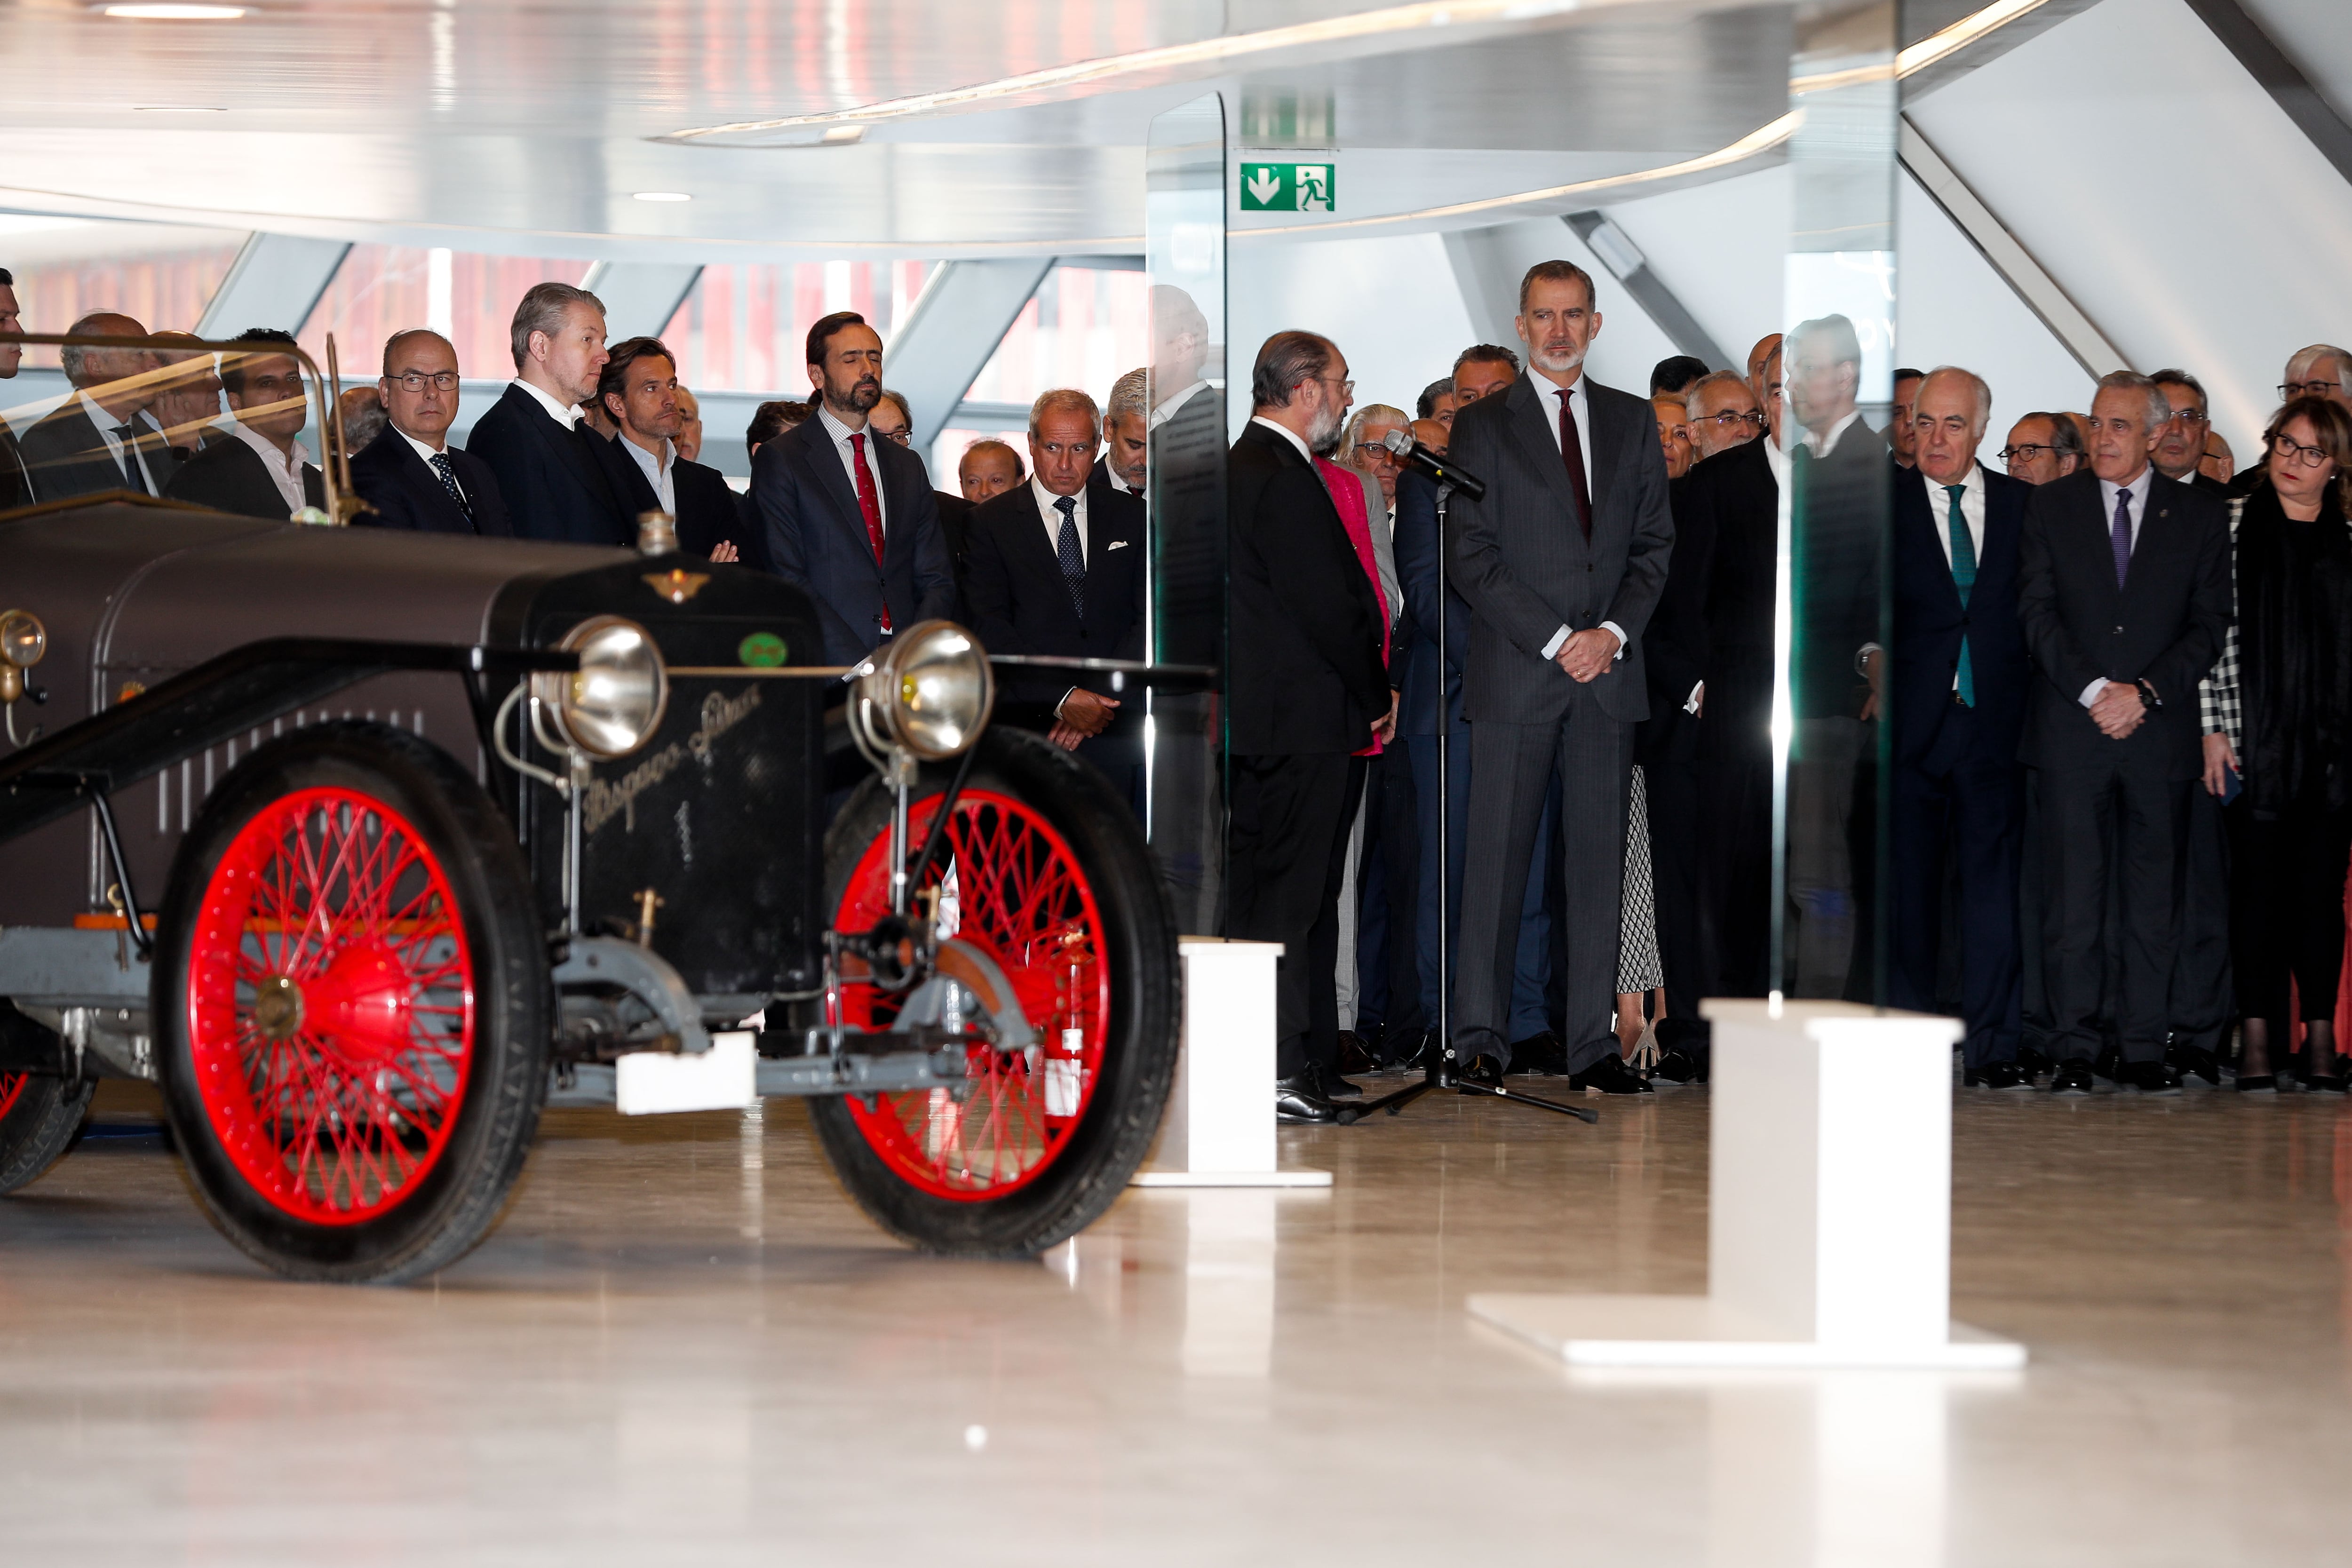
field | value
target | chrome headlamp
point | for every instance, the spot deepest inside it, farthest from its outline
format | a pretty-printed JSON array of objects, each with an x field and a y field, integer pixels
[
  {"x": 22, "y": 641},
  {"x": 613, "y": 703},
  {"x": 929, "y": 692}
]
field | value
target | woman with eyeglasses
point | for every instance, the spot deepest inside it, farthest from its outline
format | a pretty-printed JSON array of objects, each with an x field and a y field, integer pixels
[{"x": 2278, "y": 742}]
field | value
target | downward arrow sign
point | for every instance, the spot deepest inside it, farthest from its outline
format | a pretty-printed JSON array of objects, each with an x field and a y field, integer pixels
[{"x": 1262, "y": 186}]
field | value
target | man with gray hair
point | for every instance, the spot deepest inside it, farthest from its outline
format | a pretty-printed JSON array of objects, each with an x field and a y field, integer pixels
[
  {"x": 2123, "y": 594},
  {"x": 1722, "y": 412},
  {"x": 1127, "y": 420},
  {"x": 1959, "y": 681},
  {"x": 557, "y": 477},
  {"x": 2323, "y": 370},
  {"x": 95, "y": 441}
]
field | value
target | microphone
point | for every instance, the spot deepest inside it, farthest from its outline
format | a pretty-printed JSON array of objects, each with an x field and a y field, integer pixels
[{"x": 1433, "y": 464}]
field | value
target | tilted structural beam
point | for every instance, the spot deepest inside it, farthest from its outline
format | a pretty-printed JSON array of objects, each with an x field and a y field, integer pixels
[
  {"x": 2280, "y": 77},
  {"x": 1632, "y": 270},
  {"x": 276, "y": 280},
  {"x": 640, "y": 297},
  {"x": 963, "y": 313}
]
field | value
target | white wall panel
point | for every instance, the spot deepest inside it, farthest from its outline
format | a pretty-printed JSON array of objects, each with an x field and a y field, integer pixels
[
  {"x": 2164, "y": 191},
  {"x": 1720, "y": 247}
]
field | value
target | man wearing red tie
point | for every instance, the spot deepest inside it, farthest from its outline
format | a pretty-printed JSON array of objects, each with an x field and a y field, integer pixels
[{"x": 850, "y": 519}]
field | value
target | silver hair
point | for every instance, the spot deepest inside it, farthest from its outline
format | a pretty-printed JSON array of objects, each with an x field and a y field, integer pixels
[
  {"x": 1717, "y": 378},
  {"x": 1976, "y": 383},
  {"x": 1363, "y": 416},
  {"x": 75, "y": 360},
  {"x": 1065, "y": 400},
  {"x": 2299, "y": 367},
  {"x": 1836, "y": 333},
  {"x": 2159, "y": 407},
  {"x": 542, "y": 309},
  {"x": 1130, "y": 394}
]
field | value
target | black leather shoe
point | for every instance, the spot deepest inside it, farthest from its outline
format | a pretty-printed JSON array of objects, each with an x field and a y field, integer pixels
[
  {"x": 1331, "y": 1086},
  {"x": 2108, "y": 1063},
  {"x": 1543, "y": 1054},
  {"x": 1406, "y": 1052},
  {"x": 1998, "y": 1075},
  {"x": 1295, "y": 1100},
  {"x": 1674, "y": 1065},
  {"x": 2194, "y": 1061},
  {"x": 2071, "y": 1077},
  {"x": 2258, "y": 1083},
  {"x": 2032, "y": 1063},
  {"x": 1355, "y": 1053},
  {"x": 2326, "y": 1083},
  {"x": 2148, "y": 1077},
  {"x": 1609, "y": 1075},
  {"x": 1484, "y": 1070}
]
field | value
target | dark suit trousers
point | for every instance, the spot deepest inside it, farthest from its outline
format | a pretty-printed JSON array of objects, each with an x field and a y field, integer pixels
[
  {"x": 1968, "y": 815},
  {"x": 2132, "y": 824},
  {"x": 1286, "y": 860},
  {"x": 1677, "y": 814},
  {"x": 1511, "y": 770},
  {"x": 1531, "y": 969},
  {"x": 2289, "y": 912},
  {"x": 1386, "y": 994},
  {"x": 2203, "y": 1000}
]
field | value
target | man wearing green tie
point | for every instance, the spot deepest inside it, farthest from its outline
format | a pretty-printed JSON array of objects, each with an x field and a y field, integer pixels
[{"x": 1955, "y": 694}]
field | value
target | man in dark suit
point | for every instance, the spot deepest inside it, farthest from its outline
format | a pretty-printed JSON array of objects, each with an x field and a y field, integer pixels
[
  {"x": 555, "y": 484},
  {"x": 265, "y": 471},
  {"x": 1057, "y": 567},
  {"x": 1561, "y": 564},
  {"x": 640, "y": 391},
  {"x": 410, "y": 475},
  {"x": 1957, "y": 679},
  {"x": 2204, "y": 993},
  {"x": 16, "y": 483},
  {"x": 1308, "y": 694},
  {"x": 849, "y": 520},
  {"x": 2124, "y": 594},
  {"x": 1127, "y": 433},
  {"x": 95, "y": 441}
]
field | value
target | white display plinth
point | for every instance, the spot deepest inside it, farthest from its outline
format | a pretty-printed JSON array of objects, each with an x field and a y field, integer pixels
[
  {"x": 1830, "y": 1209},
  {"x": 1219, "y": 1130}
]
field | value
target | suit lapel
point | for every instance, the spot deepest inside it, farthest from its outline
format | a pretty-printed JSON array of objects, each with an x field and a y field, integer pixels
[
  {"x": 1607, "y": 439},
  {"x": 822, "y": 462},
  {"x": 1531, "y": 425}
]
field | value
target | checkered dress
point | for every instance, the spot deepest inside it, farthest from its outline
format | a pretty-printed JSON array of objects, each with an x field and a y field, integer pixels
[{"x": 2217, "y": 694}]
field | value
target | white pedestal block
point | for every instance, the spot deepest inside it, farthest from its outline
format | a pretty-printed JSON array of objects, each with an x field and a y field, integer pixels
[
  {"x": 1829, "y": 1230},
  {"x": 1219, "y": 1130}
]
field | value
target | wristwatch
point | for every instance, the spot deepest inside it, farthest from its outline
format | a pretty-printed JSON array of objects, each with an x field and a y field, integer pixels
[{"x": 2148, "y": 697}]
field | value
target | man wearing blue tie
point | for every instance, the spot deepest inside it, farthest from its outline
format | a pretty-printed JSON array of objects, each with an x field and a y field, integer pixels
[{"x": 1959, "y": 682}]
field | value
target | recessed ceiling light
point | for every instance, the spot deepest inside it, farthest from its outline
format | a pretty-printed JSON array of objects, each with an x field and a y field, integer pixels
[
  {"x": 663, "y": 196},
  {"x": 175, "y": 13}
]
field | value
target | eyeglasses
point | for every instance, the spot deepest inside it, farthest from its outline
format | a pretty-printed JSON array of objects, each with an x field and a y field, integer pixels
[
  {"x": 1727, "y": 418},
  {"x": 1373, "y": 451},
  {"x": 904, "y": 437},
  {"x": 2186, "y": 417},
  {"x": 442, "y": 380},
  {"x": 2290, "y": 390},
  {"x": 2287, "y": 446},
  {"x": 1347, "y": 388},
  {"x": 2026, "y": 454}
]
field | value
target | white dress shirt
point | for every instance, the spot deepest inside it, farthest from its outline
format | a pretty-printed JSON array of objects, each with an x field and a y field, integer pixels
[
  {"x": 428, "y": 454},
  {"x": 2137, "y": 489},
  {"x": 1580, "y": 405},
  {"x": 1048, "y": 509},
  {"x": 660, "y": 469},
  {"x": 134, "y": 478},
  {"x": 1168, "y": 410},
  {"x": 285, "y": 469},
  {"x": 1821, "y": 446},
  {"x": 563, "y": 414},
  {"x": 1972, "y": 514},
  {"x": 1110, "y": 472},
  {"x": 839, "y": 433}
]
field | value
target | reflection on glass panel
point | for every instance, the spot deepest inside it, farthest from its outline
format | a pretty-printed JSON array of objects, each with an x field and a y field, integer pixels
[
  {"x": 468, "y": 297},
  {"x": 1185, "y": 251},
  {"x": 947, "y": 452},
  {"x": 1084, "y": 327},
  {"x": 745, "y": 328},
  {"x": 1837, "y": 366},
  {"x": 160, "y": 274}
]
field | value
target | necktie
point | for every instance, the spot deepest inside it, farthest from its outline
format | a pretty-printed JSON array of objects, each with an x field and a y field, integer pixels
[
  {"x": 2121, "y": 537},
  {"x": 1073, "y": 559},
  {"x": 869, "y": 502},
  {"x": 134, "y": 472},
  {"x": 1964, "y": 577},
  {"x": 1571, "y": 452},
  {"x": 442, "y": 466}
]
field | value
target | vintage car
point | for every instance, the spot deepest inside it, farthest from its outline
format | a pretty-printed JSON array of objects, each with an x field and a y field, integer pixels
[{"x": 365, "y": 846}]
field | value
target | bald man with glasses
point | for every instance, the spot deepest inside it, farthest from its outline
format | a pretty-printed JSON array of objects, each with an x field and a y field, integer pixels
[{"x": 409, "y": 474}]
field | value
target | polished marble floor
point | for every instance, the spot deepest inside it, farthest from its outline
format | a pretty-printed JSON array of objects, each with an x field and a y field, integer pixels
[{"x": 682, "y": 1346}]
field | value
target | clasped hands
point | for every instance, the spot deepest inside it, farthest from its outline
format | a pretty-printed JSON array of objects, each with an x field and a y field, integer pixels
[
  {"x": 1587, "y": 654},
  {"x": 1083, "y": 714},
  {"x": 2118, "y": 709}
]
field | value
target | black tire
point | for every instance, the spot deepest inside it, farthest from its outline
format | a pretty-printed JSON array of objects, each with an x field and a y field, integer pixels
[
  {"x": 43, "y": 1118},
  {"x": 441, "y": 1207},
  {"x": 1137, "y": 1062}
]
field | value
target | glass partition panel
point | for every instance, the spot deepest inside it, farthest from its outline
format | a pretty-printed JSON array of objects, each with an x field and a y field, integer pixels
[
  {"x": 1830, "y": 718},
  {"x": 1184, "y": 259}
]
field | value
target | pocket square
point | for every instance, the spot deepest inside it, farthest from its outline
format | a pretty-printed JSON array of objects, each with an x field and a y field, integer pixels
[{"x": 1118, "y": 545}]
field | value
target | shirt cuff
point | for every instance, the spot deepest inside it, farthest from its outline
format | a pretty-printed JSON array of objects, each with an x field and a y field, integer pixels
[
  {"x": 2090, "y": 692},
  {"x": 1551, "y": 648},
  {"x": 1690, "y": 703},
  {"x": 1867, "y": 651},
  {"x": 1073, "y": 691},
  {"x": 1613, "y": 626}
]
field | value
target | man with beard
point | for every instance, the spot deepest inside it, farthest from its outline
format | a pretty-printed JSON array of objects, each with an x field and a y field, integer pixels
[
  {"x": 1721, "y": 414},
  {"x": 1308, "y": 697},
  {"x": 849, "y": 520},
  {"x": 1562, "y": 563}
]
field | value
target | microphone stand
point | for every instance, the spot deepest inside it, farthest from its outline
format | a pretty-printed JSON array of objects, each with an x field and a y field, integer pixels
[{"x": 1439, "y": 1071}]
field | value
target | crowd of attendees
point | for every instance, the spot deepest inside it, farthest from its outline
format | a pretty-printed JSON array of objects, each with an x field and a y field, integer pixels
[{"x": 2099, "y": 684}]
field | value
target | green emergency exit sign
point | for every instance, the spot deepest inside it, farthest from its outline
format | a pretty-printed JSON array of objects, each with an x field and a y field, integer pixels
[{"x": 1288, "y": 187}]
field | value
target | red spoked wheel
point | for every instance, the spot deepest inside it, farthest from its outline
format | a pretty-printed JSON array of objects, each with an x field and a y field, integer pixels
[
  {"x": 12, "y": 1088},
  {"x": 1045, "y": 869},
  {"x": 330, "y": 1006},
  {"x": 353, "y": 1006},
  {"x": 1011, "y": 884}
]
